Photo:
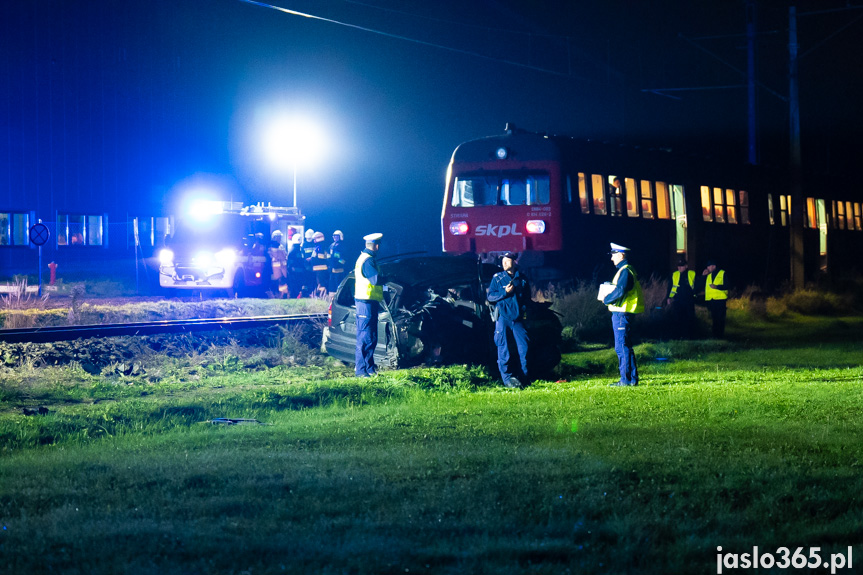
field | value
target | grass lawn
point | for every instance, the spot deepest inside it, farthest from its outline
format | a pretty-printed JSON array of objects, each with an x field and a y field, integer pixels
[{"x": 754, "y": 441}]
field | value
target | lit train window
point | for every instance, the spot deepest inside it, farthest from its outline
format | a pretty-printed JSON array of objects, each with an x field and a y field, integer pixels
[
  {"x": 582, "y": 194},
  {"x": 718, "y": 205},
  {"x": 840, "y": 215},
  {"x": 647, "y": 199},
  {"x": 784, "y": 209},
  {"x": 850, "y": 215},
  {"x": 857, "y": 217},
  {"x": 811, "y": 214},
  {"x": 663, "y": 210},
  {"x": 731, "y": 207},
  {"x": 631, "y": 198},
  {"x": 598, "y": 189},
  {"x": 14, "y": 229},
  {"x": 744, "y": 206},
  {"x": 615, "y": 196},
  {"x": 706, "y": 205}
]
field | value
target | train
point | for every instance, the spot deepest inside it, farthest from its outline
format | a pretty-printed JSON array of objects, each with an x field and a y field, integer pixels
[{"x": 559, "y": 201}]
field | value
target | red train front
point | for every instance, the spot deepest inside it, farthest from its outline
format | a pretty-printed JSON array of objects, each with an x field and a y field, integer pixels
[{"x": 504, "y": 193}]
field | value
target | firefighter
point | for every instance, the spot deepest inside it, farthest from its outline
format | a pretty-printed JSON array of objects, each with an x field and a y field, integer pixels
[
  {"x": 279, "y": 260},
  {"x": 308, "y": 249},
  {"x": 319, "y": 265},
  {"x": 368, "y": 293},
  {"x": 296, "y": 267},
  {"x": 624, "y": 300},
  {"x": 337, "y": 262}
]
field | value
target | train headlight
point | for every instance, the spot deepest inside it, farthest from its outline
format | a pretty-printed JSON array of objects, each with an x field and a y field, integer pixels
[
  {"x": 535, "y": 227},
  {"x": 226, "y": 257},
  {"x": 458, "y": 228},
  {"x": 501, "y": 153},
  {"x": 166, "y": 257}
]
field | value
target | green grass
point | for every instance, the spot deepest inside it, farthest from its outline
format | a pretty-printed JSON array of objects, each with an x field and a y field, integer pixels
[{"x": 754, "y": 441}]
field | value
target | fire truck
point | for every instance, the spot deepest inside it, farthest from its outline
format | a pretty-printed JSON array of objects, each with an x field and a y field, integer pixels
[{"x": 222, "y": 247}]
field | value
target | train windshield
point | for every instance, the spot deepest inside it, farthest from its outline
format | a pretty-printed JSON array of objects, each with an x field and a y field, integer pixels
[{"x": 501, "y": 190}]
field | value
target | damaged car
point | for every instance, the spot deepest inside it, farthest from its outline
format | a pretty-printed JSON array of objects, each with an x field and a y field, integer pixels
[{"x": 435, "y": 312}]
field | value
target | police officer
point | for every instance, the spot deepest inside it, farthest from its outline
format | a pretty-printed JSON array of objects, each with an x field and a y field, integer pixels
[
  {"x": 368, "y": 293},
  {"x": 681, "y": 299},
  {"x": 715, "y": 296},
  {"x": 336, "y": 261},
  {"x": 624, "y": 300},
  {"x": 509, "y": 291}
]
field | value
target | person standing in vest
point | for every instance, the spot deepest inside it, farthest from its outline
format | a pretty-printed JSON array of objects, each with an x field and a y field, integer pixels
[
  {"x": 715, "y": 296},
  {"x": 509, "y": 291},
  {"x": 624, "y": 300},
  {"x": 681, "y": 300},
  {"x": 337, "y": 262},
  {"x": 368, "y": 293}
]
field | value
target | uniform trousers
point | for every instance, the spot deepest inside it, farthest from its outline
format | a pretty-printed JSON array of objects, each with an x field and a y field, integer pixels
[
  {"x": 717, "y": 313},
  {"x": 367, "y": 337},
  {"x": 620, "y": 322},
  {"x": 519, "y": 334}
]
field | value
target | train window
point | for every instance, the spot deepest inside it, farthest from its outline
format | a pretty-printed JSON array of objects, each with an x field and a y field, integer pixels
[
  {"x": 784, "y": 209},
  {"x": 647, "y": 199},
  {"x": 744, "y": 206},
  {"x": 840, "y": 215},
  {"x": 718, "y": 206},
  {"x": 79, "y": 230},
  {"x": 582, "y": 194},
  {"x": 811, "y": 214},
  {"x": 474, "y": 191},
  {"x": 568, "y": 189},
  {"x": 706, "y": 205},
  {"x": 141, "y": 232},
  {"x": 731, "y": 207},
  {"x": 857, "y": 217},
  {"x": 14, "y": 229},
  {"x": 663, "y": 211},
  {"x": 615, "y": 196},
  {"x": 598, "y": 188},
  {"x": 631, "y": 198},
  {"x": 849, "y": 215}
]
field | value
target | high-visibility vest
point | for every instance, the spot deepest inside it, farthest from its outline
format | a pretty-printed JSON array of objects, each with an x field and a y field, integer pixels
[
  {"x": 633, "y": 300},
  {"x": 319, "y": 260},
  {"x": 675, "y": 281},
  {"x": 363, "y": 288},
  {"x": 712, "y": 293}
]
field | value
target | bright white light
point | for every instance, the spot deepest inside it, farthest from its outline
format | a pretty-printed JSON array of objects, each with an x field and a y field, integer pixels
[
  {"x": 290, "y": 142},
  {"x": 226, "y": 257},
  {"x": 166, "y": 257},
  {"x": 458, "y": 228},
  {"x": 203, "y": 210},
  {"x": 203, "y": 259}
]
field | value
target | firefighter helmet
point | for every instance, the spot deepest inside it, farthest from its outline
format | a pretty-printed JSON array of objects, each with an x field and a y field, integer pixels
[
  {"x": 318, "y": 237},
  {"x": 310, "y": 233},
  {"x": 340, "y": 234}
]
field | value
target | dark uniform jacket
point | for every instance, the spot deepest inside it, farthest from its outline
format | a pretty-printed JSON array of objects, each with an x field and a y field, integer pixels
[{"x": 511, "y": 306}]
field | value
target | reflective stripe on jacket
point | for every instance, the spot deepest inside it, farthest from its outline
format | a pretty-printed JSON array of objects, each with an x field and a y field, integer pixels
[
  {"x": 633, "y": 300},
  {"x": 363, "y": 288},
  {"x": 713, "y": 293}
]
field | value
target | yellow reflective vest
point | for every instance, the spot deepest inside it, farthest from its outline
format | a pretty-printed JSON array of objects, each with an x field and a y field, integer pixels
[
  {"x": 675, "y": 281},
  {"x": 363, "y": 288},
  {"x": 711, "y": 293},
  {"x": 633, "y": 300}
]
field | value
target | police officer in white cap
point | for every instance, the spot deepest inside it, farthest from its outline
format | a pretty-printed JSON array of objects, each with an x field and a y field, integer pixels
[
  {"x": 624, "y": 301},
  {"x": 368, "y": 293}
]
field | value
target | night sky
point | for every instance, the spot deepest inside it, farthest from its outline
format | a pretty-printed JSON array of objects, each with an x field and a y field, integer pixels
[{"x": 101, "y": 100}]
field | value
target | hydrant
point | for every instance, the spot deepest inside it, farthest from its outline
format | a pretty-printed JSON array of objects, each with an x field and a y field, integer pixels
[{"x": 53, "y": 267}]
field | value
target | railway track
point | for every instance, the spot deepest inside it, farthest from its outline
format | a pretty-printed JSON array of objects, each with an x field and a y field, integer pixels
[{"x": 70, "y": 332}]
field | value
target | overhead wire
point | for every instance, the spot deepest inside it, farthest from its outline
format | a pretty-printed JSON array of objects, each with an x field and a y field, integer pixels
[{"x": 567, "y": 74}]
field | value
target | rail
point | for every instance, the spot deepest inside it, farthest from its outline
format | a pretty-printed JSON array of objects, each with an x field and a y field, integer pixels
[{"x": 70, "y": 332}]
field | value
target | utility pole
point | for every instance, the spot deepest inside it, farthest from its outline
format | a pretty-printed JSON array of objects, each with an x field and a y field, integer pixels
[{"x": 795, "y": 169}]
